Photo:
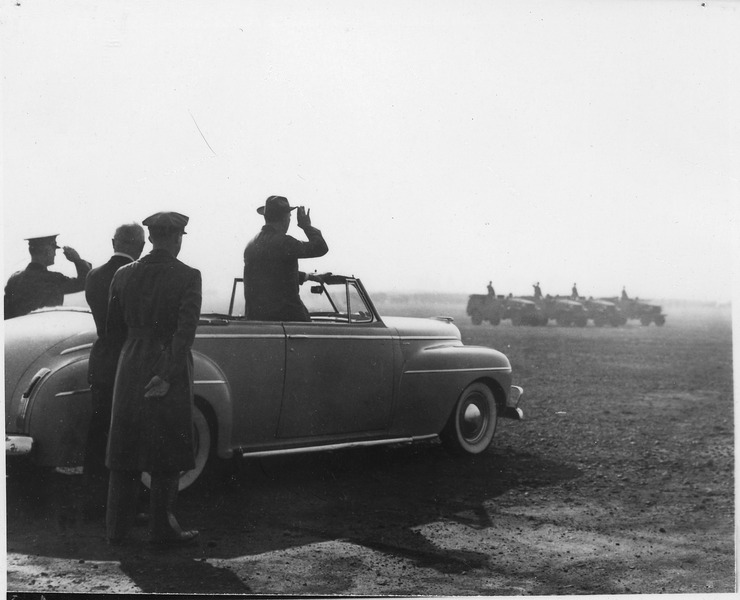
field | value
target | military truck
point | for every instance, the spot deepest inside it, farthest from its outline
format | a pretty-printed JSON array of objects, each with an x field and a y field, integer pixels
[
  {"x": 486, "y": 307},
  {"x": 636, "y": 309},
  {"x": 523, "y": 311},
  {"x": 603, "y": 312},
  {"x": 564, "y": 311}
]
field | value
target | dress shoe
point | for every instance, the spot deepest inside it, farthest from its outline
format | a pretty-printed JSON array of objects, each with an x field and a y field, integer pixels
[{"x": 175, "y": 538}]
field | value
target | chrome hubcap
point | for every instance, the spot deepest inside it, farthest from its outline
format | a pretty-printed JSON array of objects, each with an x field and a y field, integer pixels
[{"x": 473, "y": 419}]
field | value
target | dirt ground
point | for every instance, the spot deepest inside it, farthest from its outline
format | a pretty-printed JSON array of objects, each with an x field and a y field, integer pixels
[{"x": 619, "y": 480}]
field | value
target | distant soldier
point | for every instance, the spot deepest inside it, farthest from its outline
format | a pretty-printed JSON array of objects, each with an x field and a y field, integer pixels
[
  {"x": 489, "y": 287},
  {"x": 574, "y": 292},
  {"x": 624, "y": 294},
  {"x": 537, "y": 291},
  {"x": 36, "y": 286}
]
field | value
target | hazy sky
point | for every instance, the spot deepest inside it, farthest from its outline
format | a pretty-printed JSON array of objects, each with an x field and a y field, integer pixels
[{"x": 438, "y": 144}]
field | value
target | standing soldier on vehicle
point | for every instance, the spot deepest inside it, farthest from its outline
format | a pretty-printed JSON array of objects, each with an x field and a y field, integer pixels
[
  {"x": 574, "y": 292},
  {"x": 128, "y": 242},
  {"x": 271, "y": 276},
  {"x": 36, "y": 287},
  {"x": 154, "y": 306},
  {"x": 490, "y": 290},
  {"x": 537, "y": 291}
]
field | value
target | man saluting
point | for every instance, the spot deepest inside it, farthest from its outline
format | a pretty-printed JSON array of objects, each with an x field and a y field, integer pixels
[
  {"x": 271, "y": 275},
  {"x": 36, "y": 286}
]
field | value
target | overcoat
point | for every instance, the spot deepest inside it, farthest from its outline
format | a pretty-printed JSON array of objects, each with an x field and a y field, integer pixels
[
  {"x": 155, "y": 304},
  {"x": 104, "y": 353}
]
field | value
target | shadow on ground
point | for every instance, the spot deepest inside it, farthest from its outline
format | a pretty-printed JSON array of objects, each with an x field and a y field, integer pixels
[{"x": 375, "y": 497}]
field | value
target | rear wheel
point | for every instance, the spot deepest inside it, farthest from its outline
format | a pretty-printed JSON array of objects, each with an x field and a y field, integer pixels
[
  {"x": 472, "y": 424},
  {"x": 476, "y": 317},
  {"x": 203, "y": 447},
  {"x": 660, "y": 321}
]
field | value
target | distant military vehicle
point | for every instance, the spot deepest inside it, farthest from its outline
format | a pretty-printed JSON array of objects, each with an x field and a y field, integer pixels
[
  {"x": 524, "y": 311},
  {"x": 486, "y": 307},
  {"x": 563, "y": 310},
  {"x": 603, "y": 312},
  {"x": 636, "y": 309}
]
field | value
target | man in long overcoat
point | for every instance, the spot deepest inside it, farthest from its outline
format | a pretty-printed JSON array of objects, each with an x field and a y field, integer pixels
[
  {"x": 128, "y": 242},
  {"x": 155, "y": 306},
  {"x": 35, "y": 286},
  {"x": 271, "y": 275}
]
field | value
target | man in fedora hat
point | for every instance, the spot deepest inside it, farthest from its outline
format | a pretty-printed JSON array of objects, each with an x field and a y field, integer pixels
[
  {"x": 271, "y": 276},
  {"x": 36, "y": 286},
  {"x": 154, "y": 306}
]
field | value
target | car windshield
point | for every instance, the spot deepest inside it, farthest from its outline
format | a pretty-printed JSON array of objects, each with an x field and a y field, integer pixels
[
  {"x": 335, "y": 301},
  {"x": 334, "y": 298}
]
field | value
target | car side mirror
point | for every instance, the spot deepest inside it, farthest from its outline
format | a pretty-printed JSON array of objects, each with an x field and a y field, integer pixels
[{"x": 317, "y": 289}]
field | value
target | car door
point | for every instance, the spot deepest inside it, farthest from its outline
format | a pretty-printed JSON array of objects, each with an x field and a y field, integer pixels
[{"x": 338, "y": 376}]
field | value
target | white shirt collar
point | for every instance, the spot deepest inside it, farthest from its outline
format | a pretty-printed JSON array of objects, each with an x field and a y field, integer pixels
[{"x": 124, "y": 254}]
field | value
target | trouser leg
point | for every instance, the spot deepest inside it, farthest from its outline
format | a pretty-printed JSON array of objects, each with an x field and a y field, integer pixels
[
  {"x": 95, "y": 471},
  {"x": 123, "y": 488},
  {"x": 163, "y": 524}
]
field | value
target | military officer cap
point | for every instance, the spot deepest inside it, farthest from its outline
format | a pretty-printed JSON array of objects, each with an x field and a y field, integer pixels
[
  {"x": 275, "y": 206},
  {"x": 167, "y": 220},
  {"x": 44, "y": 240}
]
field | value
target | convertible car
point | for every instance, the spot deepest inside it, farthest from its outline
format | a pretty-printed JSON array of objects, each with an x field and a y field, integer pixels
[{"x": 349, "y": 377}]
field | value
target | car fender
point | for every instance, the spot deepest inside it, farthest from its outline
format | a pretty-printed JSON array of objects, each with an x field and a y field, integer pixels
[
  {"x": 211, "y": 385},
  {"x": 58, "y": 413},
  {"x": 433, "y": 377}
]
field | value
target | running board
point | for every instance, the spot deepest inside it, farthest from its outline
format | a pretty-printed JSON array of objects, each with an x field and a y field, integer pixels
[{"x": 328, "y": 447}]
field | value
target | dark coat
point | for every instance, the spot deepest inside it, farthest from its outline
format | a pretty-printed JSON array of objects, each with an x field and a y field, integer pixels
[
  {"x": 104, "y": 353},
  {"x": 271, "y": 277},
  {"x": 155, "y": 305},
  {"x": 37, "y": 287}
]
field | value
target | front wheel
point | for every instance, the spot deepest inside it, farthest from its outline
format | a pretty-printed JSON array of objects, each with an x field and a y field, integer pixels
[
  {"x": 202, "y": 443},
  {"x": 471, "y": 426},
  {"x": 476, "y": 317}
]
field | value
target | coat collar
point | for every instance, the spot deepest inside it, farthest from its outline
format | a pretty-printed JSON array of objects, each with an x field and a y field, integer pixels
[{"x": 158, "y": 255}]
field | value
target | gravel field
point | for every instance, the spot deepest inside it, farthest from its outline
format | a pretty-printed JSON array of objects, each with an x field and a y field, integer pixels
[{"x": 620, "y": 480}]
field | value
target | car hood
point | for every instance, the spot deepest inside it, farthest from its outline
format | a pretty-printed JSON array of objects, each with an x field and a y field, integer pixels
[
  {"x": 412, "y": 326},
  {"x": 31, "y": 336}
]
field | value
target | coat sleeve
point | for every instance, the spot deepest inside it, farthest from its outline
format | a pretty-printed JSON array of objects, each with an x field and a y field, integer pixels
[
  {"x": 70, "y": 285},
  {"x": 175, "y": 355},
  {"x": 115, "y": 325},
  {"x": 315, "y": 246}
]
